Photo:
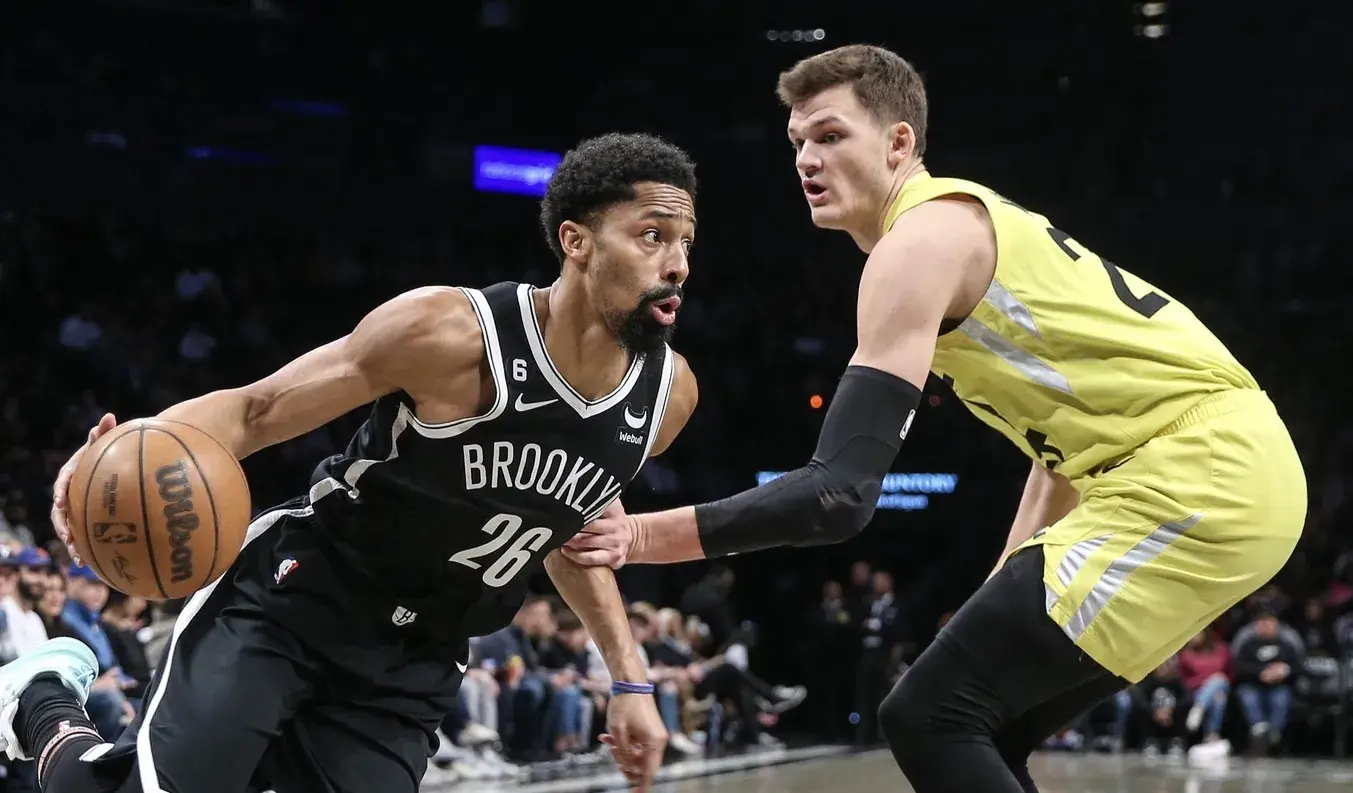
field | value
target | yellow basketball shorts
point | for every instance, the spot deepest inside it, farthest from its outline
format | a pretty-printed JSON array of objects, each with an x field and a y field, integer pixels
[{"x": 1197, "y": 518}]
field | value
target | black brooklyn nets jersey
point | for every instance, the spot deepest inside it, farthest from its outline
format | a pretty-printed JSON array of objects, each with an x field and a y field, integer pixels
[{"x": 465, "y": 512}]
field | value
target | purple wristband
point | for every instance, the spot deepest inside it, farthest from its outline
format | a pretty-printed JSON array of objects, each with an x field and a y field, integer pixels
[{"x": 618, "y": 687}]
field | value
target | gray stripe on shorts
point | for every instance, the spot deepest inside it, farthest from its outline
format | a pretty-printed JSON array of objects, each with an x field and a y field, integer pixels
[{"x": 1116, "y": 574}]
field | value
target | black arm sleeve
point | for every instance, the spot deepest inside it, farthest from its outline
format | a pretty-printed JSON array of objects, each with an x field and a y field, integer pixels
[{"x": 832, "y": 498}]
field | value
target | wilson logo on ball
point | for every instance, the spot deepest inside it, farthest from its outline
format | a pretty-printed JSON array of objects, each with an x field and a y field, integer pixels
[{"x": 181, "y": 520}]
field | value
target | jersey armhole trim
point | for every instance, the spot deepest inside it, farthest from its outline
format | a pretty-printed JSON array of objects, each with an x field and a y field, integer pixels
[
  {"x": 493, "y": 352},
  {"x": 659, "y": 404}
]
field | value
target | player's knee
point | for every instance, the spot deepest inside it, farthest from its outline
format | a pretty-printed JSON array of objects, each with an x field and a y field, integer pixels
[{"x": 902, "y": 717}]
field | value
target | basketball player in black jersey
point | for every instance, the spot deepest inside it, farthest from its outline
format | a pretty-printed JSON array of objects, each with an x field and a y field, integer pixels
[{"x": 504, "y": 420}]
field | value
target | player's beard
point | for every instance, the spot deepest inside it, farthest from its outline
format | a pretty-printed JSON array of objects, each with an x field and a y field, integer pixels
[{"x": 639, "y": 332}]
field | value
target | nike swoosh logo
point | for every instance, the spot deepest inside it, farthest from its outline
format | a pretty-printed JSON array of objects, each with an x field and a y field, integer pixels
[
  {"x": 462, "y": 667},
  {"x": 522, "y": 406}
]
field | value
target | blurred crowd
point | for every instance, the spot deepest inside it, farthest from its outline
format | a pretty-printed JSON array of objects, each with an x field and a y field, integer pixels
[
  {"x": 173, "y": 220},
  {"x": 538, "y": 689}
]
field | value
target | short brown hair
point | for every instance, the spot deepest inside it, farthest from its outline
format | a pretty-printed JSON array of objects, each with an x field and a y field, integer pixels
[{"x": 885, "y": 83}]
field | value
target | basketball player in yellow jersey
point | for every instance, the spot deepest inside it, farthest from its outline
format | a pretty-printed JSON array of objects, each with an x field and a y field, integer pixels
[{"x": 1163, "y": 486}]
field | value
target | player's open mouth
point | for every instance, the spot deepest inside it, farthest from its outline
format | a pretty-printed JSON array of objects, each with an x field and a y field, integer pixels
[
  {"x": 665, "y": 311},
  {"x": 814, "y": 192}
]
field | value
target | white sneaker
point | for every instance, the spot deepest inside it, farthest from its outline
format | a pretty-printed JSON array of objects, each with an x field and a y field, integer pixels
[
  {"x": 1195, "y": 718},
  {"x": 477, "y": 735},
  {"x": 682, "y": 744},
  {"x": 70, "y": 660},
  {"x": 1210, "y": 752}
]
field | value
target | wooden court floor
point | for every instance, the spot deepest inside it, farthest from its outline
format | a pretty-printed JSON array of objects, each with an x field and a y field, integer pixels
[{"x": 1056, "y": 773}]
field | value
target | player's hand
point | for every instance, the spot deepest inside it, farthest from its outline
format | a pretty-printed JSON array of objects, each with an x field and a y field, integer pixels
[
  {"x": 605, "y": 542},
  {"x": 637, "y": 738},
  {"x": 60, "y": 520}
]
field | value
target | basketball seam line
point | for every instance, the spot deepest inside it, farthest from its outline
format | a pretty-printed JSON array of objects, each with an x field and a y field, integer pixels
[
  {"x": 93, "y": 469},
  {"x": 145, "y": 511},
  {"x": 215, "y": 519}
]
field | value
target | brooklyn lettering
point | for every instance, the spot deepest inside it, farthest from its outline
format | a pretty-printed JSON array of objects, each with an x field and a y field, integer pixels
[
  {"x": 582, "y": 485},
  {"x": 172, "y": 483}
]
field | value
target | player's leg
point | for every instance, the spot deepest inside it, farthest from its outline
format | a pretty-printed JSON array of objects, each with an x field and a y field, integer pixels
[
  {"x": 1018, "y": 739},
  {"x": 998, "y": 659},
  {"x": 362, "y": 736},
  {"x": 229, "y": 678}
]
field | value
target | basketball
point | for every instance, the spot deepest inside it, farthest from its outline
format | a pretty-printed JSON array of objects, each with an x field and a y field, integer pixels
[{"x": 158, "y": 509}]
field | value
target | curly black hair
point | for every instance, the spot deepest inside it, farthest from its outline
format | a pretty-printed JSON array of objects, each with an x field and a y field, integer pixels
[{"x": 601, "y": 172}]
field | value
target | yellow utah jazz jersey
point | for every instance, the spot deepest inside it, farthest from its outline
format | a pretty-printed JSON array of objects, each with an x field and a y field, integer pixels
[{"x": 1074, "y": 359}]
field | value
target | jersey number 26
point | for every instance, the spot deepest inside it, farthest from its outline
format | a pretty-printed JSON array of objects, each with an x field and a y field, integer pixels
[{"x": 503, "y": 528}]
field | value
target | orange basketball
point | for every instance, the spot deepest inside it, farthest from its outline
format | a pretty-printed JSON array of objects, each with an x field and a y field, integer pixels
[{"x": 158, "y": 508}]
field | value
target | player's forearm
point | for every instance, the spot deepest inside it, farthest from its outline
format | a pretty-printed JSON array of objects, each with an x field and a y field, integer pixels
[
  {"x": 224, "y": 415},
  {"x": 593, "y": 595},
  {"x": 829, "y": 500},
  {"x": 1047, "y": 498},
  {"x": 666, "y": 537}
]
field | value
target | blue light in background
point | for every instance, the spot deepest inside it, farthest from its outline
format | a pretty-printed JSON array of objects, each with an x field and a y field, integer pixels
[
  {"x": 498, "y": 169},
  {"x": 908, "y": 492},
  {"x": 310, "y": 107}
]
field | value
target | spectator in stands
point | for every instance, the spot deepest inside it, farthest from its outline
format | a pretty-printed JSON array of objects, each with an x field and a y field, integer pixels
[
  {"x": 1163, "y": 701},
  {"x": 1204, "y": 664},
  {"x": 123, "y": 618},
  {"x": 708, "y": 599},
  {"x": 24, "y": 623},
  {"x": 511, "y": 654},
  {"x": 86, "y": 595},
  {"x": 14, "y": 528},
  {"x": 880, "y": 644},
  {"x": 670, "y": 678},
  {"x": 1267, "y": 657},
  {"x": 565, "y": 661},
  {"x": 1317, "y": 631},
  {"x": 832, "y": 658}
]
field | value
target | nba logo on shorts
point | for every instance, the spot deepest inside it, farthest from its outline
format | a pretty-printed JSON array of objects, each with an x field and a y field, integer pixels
[
  {"x": 284, "y": 569},
  {"x": 403, "y": 616}
]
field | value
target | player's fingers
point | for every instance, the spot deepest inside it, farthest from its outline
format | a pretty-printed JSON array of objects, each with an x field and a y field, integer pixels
[
  {"x": 585, "y": 542},
  {"x": 105, "y": 424},
  {"x": 589, "y": 558},
  {"x": 62, "y": 483}
]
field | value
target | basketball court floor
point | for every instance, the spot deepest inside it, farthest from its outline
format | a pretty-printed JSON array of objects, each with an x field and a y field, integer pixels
[{"x": 825, "y": 770}]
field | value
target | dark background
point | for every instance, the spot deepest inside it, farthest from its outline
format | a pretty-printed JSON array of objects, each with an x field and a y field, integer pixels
[{"x": 316, "y": 158}]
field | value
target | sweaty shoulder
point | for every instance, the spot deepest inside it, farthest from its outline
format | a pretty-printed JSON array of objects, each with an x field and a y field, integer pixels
[{"x": 419, "y": 337}]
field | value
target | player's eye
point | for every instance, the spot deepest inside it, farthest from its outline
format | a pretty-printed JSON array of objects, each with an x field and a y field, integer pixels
[
  {"x": 831, "y": 137},
  {"x": 686, "y": 245},
  {"x": 653, "y": 236}
]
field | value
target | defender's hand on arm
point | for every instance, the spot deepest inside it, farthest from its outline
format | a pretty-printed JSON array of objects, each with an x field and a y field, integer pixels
[{"x": 608, "y": 540}]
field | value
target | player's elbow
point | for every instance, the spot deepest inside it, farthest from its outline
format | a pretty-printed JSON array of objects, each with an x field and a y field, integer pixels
[{"x": 841, "y": 513}]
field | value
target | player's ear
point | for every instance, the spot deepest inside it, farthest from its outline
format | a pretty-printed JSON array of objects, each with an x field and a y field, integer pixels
[
  {"x": 576, "y": 240},
  {"x": 901, "y": 142}
]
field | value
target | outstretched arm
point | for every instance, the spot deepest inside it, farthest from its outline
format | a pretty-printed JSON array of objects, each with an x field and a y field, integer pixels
[
  {"x": 909, "y": 285},
  {"x": 594, "y": 596},
  {"x": 386, "y": 352}
]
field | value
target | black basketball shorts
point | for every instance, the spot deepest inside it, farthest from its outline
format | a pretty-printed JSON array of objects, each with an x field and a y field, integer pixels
[{"x": 285, "y": 676}]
